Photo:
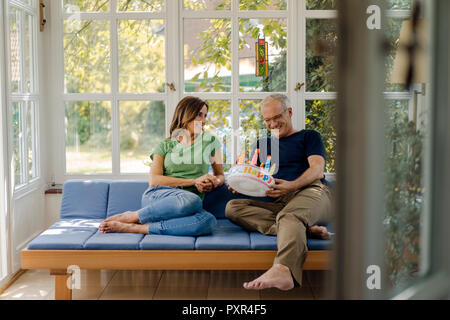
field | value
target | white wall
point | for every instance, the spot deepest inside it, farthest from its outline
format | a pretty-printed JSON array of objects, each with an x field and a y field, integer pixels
[{"x": 28, "y": 216}]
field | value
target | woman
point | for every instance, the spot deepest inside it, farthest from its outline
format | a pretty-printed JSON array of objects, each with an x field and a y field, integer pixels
[{"x": 178, "y": 179}]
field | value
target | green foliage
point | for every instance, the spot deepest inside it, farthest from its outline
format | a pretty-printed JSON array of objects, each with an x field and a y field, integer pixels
[{"x": 404, "y": 195}]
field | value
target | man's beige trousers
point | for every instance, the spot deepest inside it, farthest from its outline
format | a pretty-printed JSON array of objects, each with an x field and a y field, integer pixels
[{"x": 289, "y": 218}]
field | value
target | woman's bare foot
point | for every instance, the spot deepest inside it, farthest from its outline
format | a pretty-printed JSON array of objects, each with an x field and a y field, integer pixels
[
  {"x": 117, "y": 226},
  {"x": 127, "y": 217},
  {"x": 320, "y": 232},
  {"x": 278, "y": 276}
]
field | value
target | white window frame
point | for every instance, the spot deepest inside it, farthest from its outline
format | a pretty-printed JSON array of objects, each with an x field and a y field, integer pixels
[
  {"x": 114, "y": 97},
  {"x": 173, "y": 15},
  {"x": 24, "y": 98}
]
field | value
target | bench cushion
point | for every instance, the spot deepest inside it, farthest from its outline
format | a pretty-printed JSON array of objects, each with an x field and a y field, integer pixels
[
  {"x": 84, "y": 199},
  {"x": 66, "y": 234},
  {"x": 113, "y": 241},
  {"x": 226, "y": 236},
  {"x": 166, "y": 242},
  {"x": 125, "y": 195},
  {"x": 260, "y": 241}
]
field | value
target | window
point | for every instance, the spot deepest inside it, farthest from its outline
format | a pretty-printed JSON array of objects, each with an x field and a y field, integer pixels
[
  {"x": 23, "y": 92},
  {"x": 114, "y": 97},
  {"x": 118, "y": 59}
]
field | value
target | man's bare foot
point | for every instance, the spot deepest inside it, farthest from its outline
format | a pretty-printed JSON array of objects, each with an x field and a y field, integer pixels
[
  {"x": 127, "y": 217},
  {"x": 320, "y": 232},
  {"x": 117, "y": 226},
  {"x": 278, "y": 276}
]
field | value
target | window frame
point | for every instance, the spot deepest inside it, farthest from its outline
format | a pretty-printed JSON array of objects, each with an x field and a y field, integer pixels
[
  {"x": 24, "y": 98},
  {"x": 173, "y": 15}
]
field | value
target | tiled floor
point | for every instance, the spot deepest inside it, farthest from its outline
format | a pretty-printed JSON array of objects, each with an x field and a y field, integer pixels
[{"x": 167, "y": 285}]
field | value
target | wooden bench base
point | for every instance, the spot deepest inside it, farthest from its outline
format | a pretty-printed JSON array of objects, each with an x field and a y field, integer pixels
[{"x": 57, "y": 261}]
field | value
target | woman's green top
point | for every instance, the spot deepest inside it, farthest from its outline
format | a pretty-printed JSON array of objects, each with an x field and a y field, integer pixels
[{"x": 188, "y": 161}]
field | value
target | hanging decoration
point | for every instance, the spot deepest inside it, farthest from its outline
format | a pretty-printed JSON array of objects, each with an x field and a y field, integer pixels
[{"x": 262, "y": 61}]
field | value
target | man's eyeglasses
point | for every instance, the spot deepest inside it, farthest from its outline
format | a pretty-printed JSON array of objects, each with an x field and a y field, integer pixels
[{"x": 275, "y": 118}]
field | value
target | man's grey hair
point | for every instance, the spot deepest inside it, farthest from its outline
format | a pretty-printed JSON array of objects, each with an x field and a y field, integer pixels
[{"x": 277, "y": 97}]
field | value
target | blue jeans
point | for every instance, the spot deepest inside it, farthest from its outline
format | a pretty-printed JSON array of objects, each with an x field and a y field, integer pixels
[{"x": 174, "y": 211}]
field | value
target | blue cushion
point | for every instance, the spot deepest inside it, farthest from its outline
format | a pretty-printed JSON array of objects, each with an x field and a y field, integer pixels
[
  {"x": 226, "y": 236},
  {"x": 166, "y": 242},
  {"x": 114, "y": 241},
  {"x": 318, "y": 244},
  {"x": 84, "y": 199},
  {"x": 260, "y": 241},
  {"x": 71, "y": 238},
  {"x": 66, "y": 234},
  {"x": 125, "y": 196}
]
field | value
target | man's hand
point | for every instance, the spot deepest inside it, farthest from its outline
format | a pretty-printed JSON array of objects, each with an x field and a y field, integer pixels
[
  {"x": 280, "y": 188},
  {"x": 231, "y": 189}
]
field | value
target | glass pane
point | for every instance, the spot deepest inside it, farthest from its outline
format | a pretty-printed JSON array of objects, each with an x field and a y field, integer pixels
[
  {"x": 399, "y": 4},
  {"x": 275, "y": 33},
  {"x": 87, "y": 56},
  {"x": 141, "y": 56},
  {"x": 200, "y": 5},
  {"x": 404, "y": 193},
  {"x": 392, "y": 37},
  {"x": 17, "y": 142},
  {"x": 85, "y": 5},
  {"x": 251, "y": 126},
  {"x": 88, "y": 137},
  {"x": 31, "y": 139},
  {"x": 142, "y": 127},
  {"x": 320, "y": 116},
  {"x": 28, "y": 52},
  {"x": 321, "y": 40},
  {"x": 15, "y": 51},
  {"x": 262, "y": 5},
  {"x": 320, "y": 4},
  {"x": 207, "y": 55},
  {"x": 219, "y": 122},
  {"x": 141, "y": 5}
]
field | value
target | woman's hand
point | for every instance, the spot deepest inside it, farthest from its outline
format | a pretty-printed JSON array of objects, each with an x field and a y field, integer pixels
[
  {"x": 204, "y": 183},
  {"x": 207, "y": 182}
]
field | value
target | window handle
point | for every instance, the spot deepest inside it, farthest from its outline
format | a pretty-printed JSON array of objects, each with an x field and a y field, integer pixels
[
  {"x": 171, "y": 86},
  {"x": 299, "y": 86}
]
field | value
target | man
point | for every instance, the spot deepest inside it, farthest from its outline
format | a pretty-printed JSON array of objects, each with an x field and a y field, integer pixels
[{"x": 301, "y": 197}]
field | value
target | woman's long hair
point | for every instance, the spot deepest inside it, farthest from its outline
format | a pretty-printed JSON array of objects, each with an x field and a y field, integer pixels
[{"x": 185, "y": 112}]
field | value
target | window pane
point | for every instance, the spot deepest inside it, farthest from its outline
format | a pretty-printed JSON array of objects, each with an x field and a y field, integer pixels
[
  {"x": 399, "y": 4},
  {"x": 87, "y": 56},
  {"x": 404, "y": 194},
  {"x": 262, "y": 5},
  {"x": 28, "y": 52},
  {"x": 141, "y": 5},
  {"x": 320, "y": 117},
  {"x": 320, "y": 4},
  {"x": 142, "y": 127},
  {"x": 392, "y": 36},
  {"x": 88, "y": 137},
  {"x": 17, "y": 137},
  {"x": 31, "y": 139},
  {"x": 251, "y": 126},
  {"x": 207, "y": 55},
  {"x": 141, "y": 56},
  {"x": 219, "y": 122},
  {"x": 321, "y": 39},
  {"x": 14, "y": 39},
  {"x": 85, "y": 5},
  {"x": 199, "y": 5},
  {"x": 275, "y": 33}
]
